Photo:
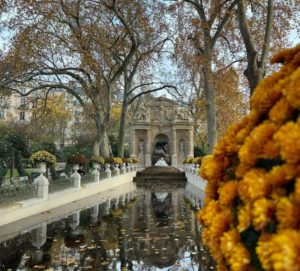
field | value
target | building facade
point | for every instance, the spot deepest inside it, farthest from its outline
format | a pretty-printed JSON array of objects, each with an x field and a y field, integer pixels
[
  {"x": 18, "y": 109},
  {"x": 162, "y": 129}
]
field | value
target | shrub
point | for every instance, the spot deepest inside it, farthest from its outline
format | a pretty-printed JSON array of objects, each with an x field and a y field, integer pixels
[
  {"x": 251, "y": 215},
  {"x": 43, "y": 156}
]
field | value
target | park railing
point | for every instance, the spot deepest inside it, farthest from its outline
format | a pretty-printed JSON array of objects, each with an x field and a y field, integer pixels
[{"x": 16, "y": 191}]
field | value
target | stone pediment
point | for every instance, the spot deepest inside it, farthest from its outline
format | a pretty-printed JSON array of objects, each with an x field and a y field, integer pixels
[
  {"x": 162, "y": 101},
  {"x": 163, "y": 110}
]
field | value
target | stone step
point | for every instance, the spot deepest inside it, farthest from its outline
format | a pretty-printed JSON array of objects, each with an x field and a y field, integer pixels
[
  {"x": 163, "y": 174},
  {"x": 159, "y": 178}
]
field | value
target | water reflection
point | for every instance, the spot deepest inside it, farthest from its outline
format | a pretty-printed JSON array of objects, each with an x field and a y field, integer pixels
[{"x": 151, "y": 228}]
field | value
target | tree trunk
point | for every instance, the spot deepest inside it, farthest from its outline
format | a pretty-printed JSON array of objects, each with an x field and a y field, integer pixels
[
  {"x": 209, "y": 93},
  {"x": 255, "y": 70},
  {"x": 121, "y": 136},
  {"x": 99, "y": 136},
  {"x": 253, "y": 73},
  {"x": 104, "y": 146},
  {"x": 96, "y": 148}
]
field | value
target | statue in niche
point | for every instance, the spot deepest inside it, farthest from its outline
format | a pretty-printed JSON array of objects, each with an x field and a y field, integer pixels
[
  {"x": 141, "y": 147},
  {"x": 181, "y": 147}
]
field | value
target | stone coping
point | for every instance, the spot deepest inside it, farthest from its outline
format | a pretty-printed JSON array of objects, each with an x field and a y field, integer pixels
[{"x": 32, "y": 207}]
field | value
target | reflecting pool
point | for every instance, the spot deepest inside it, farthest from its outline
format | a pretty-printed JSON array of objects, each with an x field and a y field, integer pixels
[{"x": 150, "y": 227}]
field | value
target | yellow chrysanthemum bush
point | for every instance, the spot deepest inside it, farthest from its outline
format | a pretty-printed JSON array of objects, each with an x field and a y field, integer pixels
[{"x": 251, "y": 216}]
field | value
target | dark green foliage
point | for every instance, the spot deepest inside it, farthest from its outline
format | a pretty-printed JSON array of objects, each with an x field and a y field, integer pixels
[
  {"x": 126, "y": 152},
  {"x": 114, "y": 144},
  {"x": 199, "y": 151},
  {"x": 268, "y": 164},
  {"x": 249, "y": 239},
  {"x": 12, "y": 148},
  {"x": 3, "y": 169}
]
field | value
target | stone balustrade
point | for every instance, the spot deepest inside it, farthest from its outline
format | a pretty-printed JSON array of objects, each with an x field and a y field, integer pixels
[{"x": 41, "y": 183}]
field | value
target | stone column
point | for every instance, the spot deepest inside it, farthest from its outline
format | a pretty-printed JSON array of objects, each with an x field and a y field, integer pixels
[
  {"x": 190, "y": 142},
  {"x": 148, "y": 149},
  {"x": 174, "y": 148},
  {"x": 132, "y": 145}
]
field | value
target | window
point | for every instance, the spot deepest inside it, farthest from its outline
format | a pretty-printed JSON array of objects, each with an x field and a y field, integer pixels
[
  {"x": 34, "y": 103},
  {"x": 1, "y": 114},
  {"x": 22, "y": 115},
  {"x": 76, "y": 120},
  {"x": 23, "y": 101}
]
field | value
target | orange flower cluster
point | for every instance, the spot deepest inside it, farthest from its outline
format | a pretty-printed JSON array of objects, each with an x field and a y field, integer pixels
[{"x": 251, "y": 215}]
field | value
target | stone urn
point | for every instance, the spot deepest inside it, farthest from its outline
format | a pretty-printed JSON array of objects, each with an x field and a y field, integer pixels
[
  {"x": 96, "y": 165},
  {"x": 75, "y": 167},
  {"x": 42, "y": 166}
]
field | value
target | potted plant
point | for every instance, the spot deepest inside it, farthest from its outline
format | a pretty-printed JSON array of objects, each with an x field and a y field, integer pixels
[
  {"x": 97, "y": 161},
  {"x": 42, "y": 159},
  {"x": 77, "y": 159},
  {"x": 134, "y": 160},
  {"x": 128, "y": 160}
]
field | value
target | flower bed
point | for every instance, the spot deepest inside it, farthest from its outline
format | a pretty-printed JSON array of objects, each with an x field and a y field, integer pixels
[{"x": 251, "y": 215}]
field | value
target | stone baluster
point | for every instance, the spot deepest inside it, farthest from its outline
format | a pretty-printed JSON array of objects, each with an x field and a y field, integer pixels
[
  {"x": 42, "y": 182},
  {"x": 123, "y": 168},
  {"x": 96, "y": 173},
  {"x": 107, "y": 171},
  {"x": 76, "y": 177},
  {"x": 117, "y": 170}
]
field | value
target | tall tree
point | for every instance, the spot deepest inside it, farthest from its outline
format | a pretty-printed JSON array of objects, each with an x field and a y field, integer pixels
[
  {"x": 92, "y": 42},
  {"x": 207, "y": 20},
  {"x": 260, "y": 32}
]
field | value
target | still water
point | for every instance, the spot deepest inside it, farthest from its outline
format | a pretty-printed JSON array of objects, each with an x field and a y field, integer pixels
[{"x": 131, "y": 228}]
